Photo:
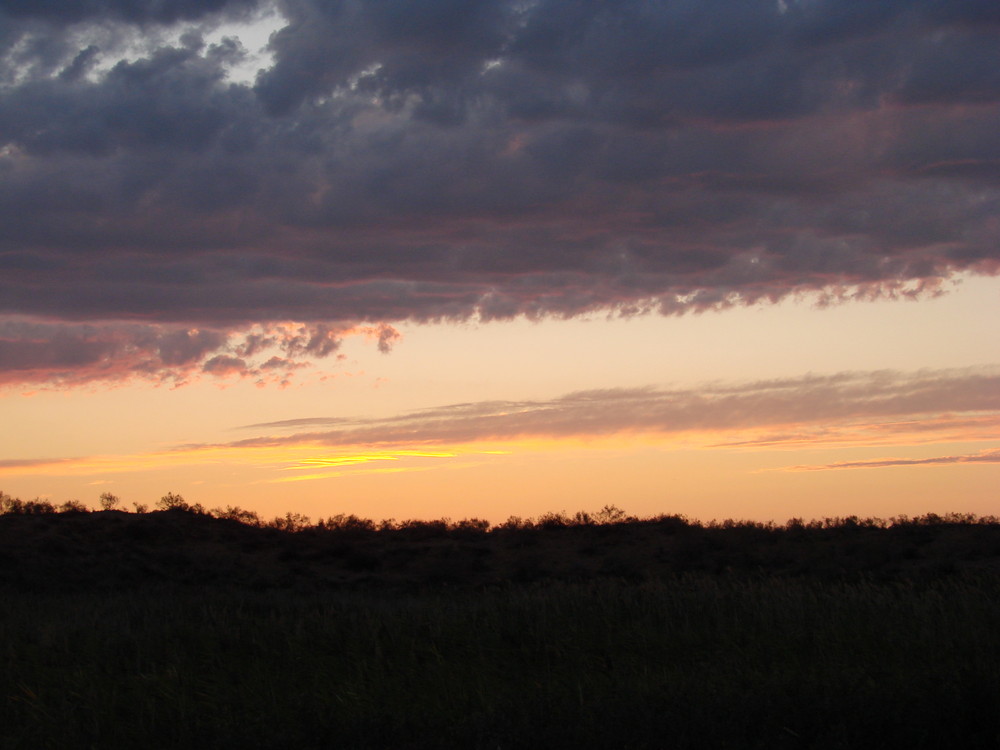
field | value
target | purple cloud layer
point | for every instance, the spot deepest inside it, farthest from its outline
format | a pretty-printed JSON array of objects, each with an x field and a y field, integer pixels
[
  {"x": 436, "y": 159},
  {"x": 70, "y": 354}
]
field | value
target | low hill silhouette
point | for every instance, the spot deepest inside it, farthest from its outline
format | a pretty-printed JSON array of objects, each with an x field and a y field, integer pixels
[
  {"x": 45, "y": 549},
  {"x": 183, "y": 627}
]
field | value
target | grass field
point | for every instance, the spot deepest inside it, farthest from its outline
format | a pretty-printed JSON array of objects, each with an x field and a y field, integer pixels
[{"x": 892, "y": 657}]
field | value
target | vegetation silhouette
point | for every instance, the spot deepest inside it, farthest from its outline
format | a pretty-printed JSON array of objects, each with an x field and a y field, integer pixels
[
  {"x": 70, "y": 548},
  {"x": 192, "y": 627}
]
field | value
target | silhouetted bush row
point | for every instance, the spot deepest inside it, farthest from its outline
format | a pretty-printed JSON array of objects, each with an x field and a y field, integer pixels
[{"x": 609, "y": 515}]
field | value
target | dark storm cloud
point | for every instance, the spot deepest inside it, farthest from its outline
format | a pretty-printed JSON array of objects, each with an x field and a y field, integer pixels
[
  {"x": 135, "y": 11},
  {"x": 441, "y": 159}
]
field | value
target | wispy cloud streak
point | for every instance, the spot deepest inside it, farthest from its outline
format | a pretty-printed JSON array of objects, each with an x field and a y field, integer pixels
[
  {"x": 855, "y": 408},
  {"x": 982, "y": 457},
  {"x": 878, "y": 399}
]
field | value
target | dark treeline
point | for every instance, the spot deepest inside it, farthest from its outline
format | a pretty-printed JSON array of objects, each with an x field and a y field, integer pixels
[
  {"x": 608, "y": 515},
  {"x": 69, "y": 547}
]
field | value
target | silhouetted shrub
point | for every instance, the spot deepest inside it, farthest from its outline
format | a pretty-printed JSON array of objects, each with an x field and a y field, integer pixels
[
  {"x": 172, "y": 501},
  {"x": 291, "y": 522},
  {"x": 10, "y": 504},
  {"x": 553, "y": 521},
  {"x": 516, "y": 522},
  {"x": 16, "y": 507},
  {"x": 39, "y": 507},
  {"x": 470, "y": 528},
  {"x": 610, "y": 514},
  {"x": 72, "y": 506},
  {"x": 672, "y": 523},
  {"x": 235, "y": 513},
  {"x": 349, "y": 524},
  {"x": 109, "y": 501}
]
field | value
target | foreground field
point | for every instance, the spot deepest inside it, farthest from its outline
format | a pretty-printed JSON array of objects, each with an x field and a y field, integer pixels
[
  {"x": 115, "y": 633},
  {"x": 696, "y": 662}
]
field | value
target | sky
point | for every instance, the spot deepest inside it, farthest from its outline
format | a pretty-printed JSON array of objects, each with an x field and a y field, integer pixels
[{"x": 466, "y": 258}]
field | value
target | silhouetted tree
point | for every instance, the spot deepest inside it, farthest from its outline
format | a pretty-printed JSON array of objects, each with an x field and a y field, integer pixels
[
  {"x": 173, "y": 501},
  {"x": 29, "y": 507},
  {"x": 235, "y": 513},
  {"x": 109, "y": 501},
  {"x": 10, "y": 504},
  {"x": 291, "y": 522},
  {"x": 516, "y": 522},
  {"x": 609, "y": 514},
  {"x": 71, "y": 506}
]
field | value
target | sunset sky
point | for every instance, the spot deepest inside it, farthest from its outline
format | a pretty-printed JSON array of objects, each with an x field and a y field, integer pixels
[{"x": 482, "y": 258}]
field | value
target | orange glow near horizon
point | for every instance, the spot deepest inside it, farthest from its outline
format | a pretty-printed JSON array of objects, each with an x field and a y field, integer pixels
[
  {"x": 785, "y": 446},
  {"x": 522, "y": 418}
]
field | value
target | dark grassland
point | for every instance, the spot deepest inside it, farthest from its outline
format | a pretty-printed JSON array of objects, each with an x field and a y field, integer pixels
[{"x": 187, "y": 628}]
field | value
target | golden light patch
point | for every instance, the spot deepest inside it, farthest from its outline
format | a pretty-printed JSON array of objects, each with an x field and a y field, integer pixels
[
  {"x": 366, "y": 457},
  {"x": 308, "y": 460}
]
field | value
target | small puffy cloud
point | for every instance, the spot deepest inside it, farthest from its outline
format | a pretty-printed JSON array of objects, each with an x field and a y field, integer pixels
[
  {"x": 318, "y": 341},
  {"x": 183, "y": 347},
  {"x": 384, "y": 334},
  {"x": 225, "y": 364}
]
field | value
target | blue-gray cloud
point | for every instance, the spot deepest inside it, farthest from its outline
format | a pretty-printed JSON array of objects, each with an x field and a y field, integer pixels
[
  {"x": 435, "y": 159},
  {"x": 70, "y": 354}
]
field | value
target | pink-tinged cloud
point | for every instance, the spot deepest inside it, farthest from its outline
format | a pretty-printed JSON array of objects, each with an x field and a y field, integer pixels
[
  {"x": 874, "y": 407},
  {"x": 855, "y": 408},
  {"x": 69, "y": 354},
  {"x": 225, "y": 365},
  {"x": 435, "y": 160},
  {"x": 929, "y": 429},
  {"x": 982, "y": 457}
]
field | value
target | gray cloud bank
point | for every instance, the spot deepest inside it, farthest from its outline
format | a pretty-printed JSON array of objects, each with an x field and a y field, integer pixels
[
  {"x": 61, "y": 354},
  {"x": 440, "y": 159}
]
